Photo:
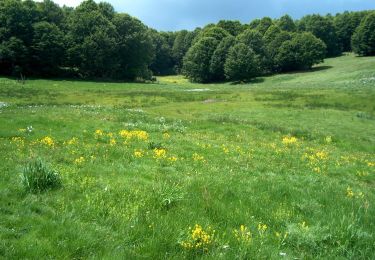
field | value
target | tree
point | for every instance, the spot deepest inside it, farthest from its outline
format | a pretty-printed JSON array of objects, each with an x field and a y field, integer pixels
[
  {"x": 13, "y": 56},
  {"x": 363, "y": 40},
  {"x": 232, "y": 27},
  {"x": 345, "y": 25},
  {"x": 242, "y": 63},
  {"x": 286, "y": 23},
  {"x": 300, "y": 53},
  {"x": 196, "y": 64},
  {"x": 181, "y": 45},
  {"x": 135, "y": 48},
  {"x": 323, "y": 28},
  {"x": 219, "y": 57},
  {"x": 254, "y": 40},
  {"x": 264, "y": 24},
  {"x": 47, "y": 48},
  {"x": 51, "y": 12},
  {"x": 212, "y": 31},
  {"x": 163, "y": 61},
  {"x": 92, "y": 42}
]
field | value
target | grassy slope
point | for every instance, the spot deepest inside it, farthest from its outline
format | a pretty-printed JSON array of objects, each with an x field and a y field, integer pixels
[{"x": 116, "y": 205}]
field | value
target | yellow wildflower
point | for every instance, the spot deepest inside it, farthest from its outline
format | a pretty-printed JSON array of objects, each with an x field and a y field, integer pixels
[
  {"x": 303, "y": 226},
  {"x": 262, "y": 227},
  {"x": 79, "y": 160},
  {"x": 72, "y": 141},
  {"x": 243, "y": 234},
  {"x": 112, "y": 142},
  {"x": 99, "y": 133},
  {"x": 48, "y": 141},
  {"x": 172, "y": 159},
  {"x": 159, "y": 153},
  {"x": 138, "y": 153},
  {"x": 134, "y": 134},
  {"x": 225, "y": 149},
  {"x": 349, "y": 192},
  {"x": 166, "y": 136},
  {"x": 289, "y": 140},
  {"x": 197, "y": 157},
  {"x": 199, "y": 238}
]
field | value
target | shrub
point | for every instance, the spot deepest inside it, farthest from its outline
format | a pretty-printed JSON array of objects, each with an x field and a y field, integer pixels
[{"x": 38, "y": 177}]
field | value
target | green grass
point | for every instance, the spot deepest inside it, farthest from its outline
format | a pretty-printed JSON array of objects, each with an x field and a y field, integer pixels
[{"x": 224, "y": 161}]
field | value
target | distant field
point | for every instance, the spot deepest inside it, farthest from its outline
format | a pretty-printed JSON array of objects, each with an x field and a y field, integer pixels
[{"x": 281, "y": 167}]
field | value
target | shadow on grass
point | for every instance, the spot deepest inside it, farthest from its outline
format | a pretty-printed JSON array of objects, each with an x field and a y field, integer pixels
[{"x": 251, "y": 81}]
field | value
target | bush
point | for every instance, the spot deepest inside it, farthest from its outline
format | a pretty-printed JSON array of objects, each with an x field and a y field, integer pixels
[{"x": 38, "y": 177}]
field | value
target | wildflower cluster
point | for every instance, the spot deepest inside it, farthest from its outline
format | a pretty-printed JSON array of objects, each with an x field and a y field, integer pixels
[
  {"x": 138, "y": 153},
  {"x": 160, "y": 153},
  {"x": 19, "y": 141},
  {"x": 289, "y": 140},
  {"x": 79, "y": 160},
  {"x": 72, "y": 141},
  {"x": 243, "y": 234},
  {"x": 262, "y": 228},
  {"x": 316, "y": 160},
  {"x": 98, "y": 133},
  {"x": 47, "y": 141},
  {"x": 197, "y": 158},
  {"x": 134, "y": 134},
  {"x": 199, "y": 239},
  {"x": 351, "y": 194}
]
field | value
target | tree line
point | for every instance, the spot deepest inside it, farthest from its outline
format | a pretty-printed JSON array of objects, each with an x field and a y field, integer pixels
[{"x": 94, "y": 41}]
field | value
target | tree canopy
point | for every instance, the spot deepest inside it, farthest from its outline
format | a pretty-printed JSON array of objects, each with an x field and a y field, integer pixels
[{"x": 94, "y": 41}]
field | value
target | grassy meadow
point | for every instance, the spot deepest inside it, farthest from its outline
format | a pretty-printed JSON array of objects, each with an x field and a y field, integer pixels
[{"x": 282, "y": 167}]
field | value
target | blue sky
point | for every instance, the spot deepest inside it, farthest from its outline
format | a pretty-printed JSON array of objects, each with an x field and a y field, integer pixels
[{"x": 188, "y": 14}]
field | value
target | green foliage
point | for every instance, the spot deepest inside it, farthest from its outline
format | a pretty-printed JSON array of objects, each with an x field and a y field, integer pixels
[
  {"x": 213, "y": 31},
  {"x": 286, "y": 23},
  {"x": 232, "y": 27},
  {"x": 197, "y": 60},
  {"x": 38, "y": 177},
  {"x": 345, "y": 25},
  {"x": 363, "y": 40},
  {"x": 47, "y": 48},
  {"x": 324, "y": 29},
  {"x": 163, "y": 61},
  {"x": 254, "y": 40},
  {"x": 242, "y": 63},
  {"x": 263, "y": 25},
  {"x": 94, "y": 41},
  {"x": 135, "y": 48},
  {"x": 300, "y": 53},
  {"x": 219, "y": 57},
  {"x": 183, "y": 41}
]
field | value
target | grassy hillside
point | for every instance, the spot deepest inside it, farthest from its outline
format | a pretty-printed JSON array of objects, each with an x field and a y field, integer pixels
[{"x": 279, "y": 167}]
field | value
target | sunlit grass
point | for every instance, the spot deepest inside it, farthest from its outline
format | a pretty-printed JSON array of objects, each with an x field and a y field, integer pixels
[{"x": 280, "y": 167}]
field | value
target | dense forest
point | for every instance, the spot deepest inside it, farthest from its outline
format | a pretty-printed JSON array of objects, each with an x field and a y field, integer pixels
[{"x": 94, "y": 41}]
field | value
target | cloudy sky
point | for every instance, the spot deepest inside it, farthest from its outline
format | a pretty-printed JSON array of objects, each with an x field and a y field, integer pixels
[{"x": 188, "y": 14}]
